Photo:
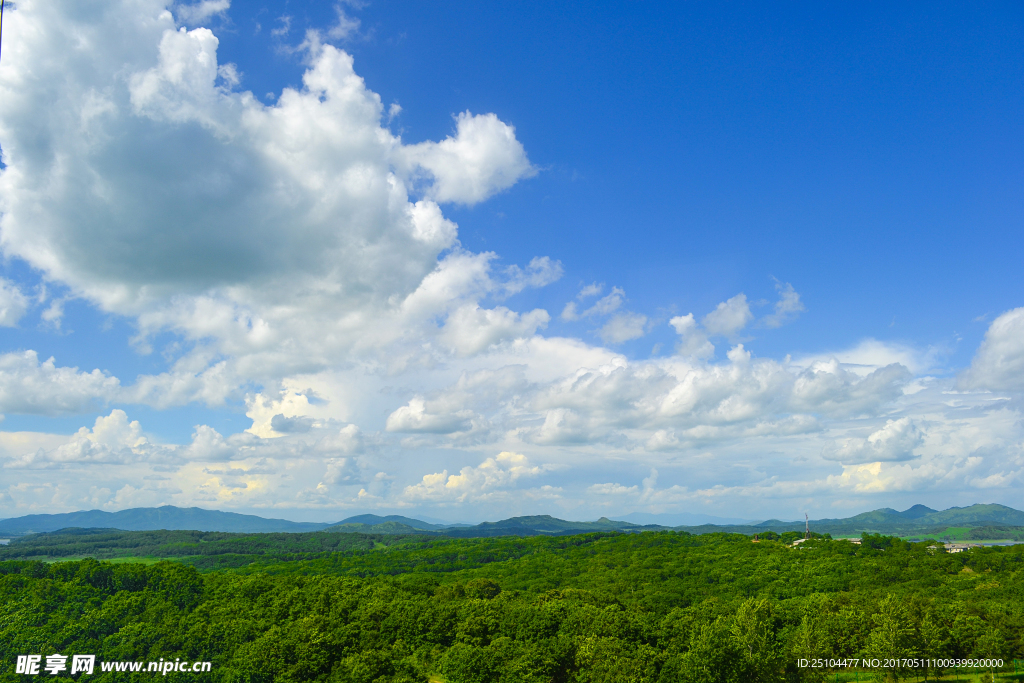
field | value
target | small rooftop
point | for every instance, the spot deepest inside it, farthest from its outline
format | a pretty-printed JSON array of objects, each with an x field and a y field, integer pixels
[{"x": 960, "y": 547}]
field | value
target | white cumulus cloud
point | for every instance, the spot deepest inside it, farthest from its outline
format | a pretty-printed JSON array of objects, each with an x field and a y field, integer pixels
[
  {"x": 623, "y": 327},
  {"x": 894, "y": 442},
  {"x": 693, "y": 342},
  {"x": 13, "y": 303},
  {"x": 484, "y": 157},
  {"x": 472, "y": 329},
  {"x": 729, "y": 317},
  {"x": 42, "y": 388},
  {"x": 787, "y": 308},
  {"x": 432, "y": 418},
  {"x": 201, "y": 11},
  {"x": 473, "y": 483},
  {"x": 113, "y": 440},
  {"x": 998, "y": 364},
  {"x": 274, "y": 240}
]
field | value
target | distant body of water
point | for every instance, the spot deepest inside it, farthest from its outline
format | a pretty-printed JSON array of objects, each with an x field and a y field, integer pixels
[{"x": 996, "y": 542}]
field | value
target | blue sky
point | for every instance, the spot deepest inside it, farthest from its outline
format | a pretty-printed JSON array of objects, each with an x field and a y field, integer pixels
[{"x": 456, "y": 262}]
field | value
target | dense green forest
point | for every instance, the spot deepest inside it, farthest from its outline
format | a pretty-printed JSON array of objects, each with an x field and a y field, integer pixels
[
  {"x": 198, "y": 546},
  {"x": 654, "y": 607}
]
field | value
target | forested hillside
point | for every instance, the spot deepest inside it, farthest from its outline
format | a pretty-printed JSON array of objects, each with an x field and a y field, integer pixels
[
  {"x": 597, "y": 607},
  {"x": 197, "y": 546}
]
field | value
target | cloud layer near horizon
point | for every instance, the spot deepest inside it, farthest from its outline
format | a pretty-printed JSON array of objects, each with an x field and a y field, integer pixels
[{"x": 299, "y": 254}]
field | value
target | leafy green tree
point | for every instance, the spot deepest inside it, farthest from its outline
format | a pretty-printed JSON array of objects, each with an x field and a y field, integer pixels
[
  {"x": 966, "y": 630},
  {"x": 464, "y": 663},
  {"x": 892, "y": 638},
  {"x": 483, "y": 589},
  {"x": 811, "y": 639},
  {"x": 612, "y": 660},
  {"x": 991, "y": 644},
  {"x": 753, "y": 633},
  {"x": 713, "y": 655}
]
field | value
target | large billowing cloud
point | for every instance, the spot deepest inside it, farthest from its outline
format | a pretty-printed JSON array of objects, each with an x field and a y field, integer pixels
[
  {"x": 150, "y": 186},
  {"x": 299, "y": 255},
  {"x": 277, "y": 238}
]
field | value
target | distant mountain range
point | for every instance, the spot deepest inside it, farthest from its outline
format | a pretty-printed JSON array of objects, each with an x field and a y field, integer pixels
[
  {"x": 916, "y": 519},
  {"x": 375, "y": 520},
  {"x": 147, "y": 519},
  {"x": 680, "y": 519}
]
